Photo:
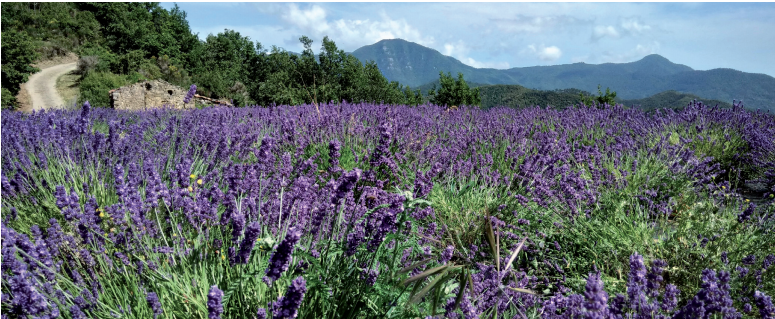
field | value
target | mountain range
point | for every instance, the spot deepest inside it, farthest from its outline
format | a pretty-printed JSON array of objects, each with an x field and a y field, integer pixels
[{"x": 415, "y": 65}]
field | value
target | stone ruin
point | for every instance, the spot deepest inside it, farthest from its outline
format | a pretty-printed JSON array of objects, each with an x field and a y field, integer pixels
[{"x": 154, "y": 94}]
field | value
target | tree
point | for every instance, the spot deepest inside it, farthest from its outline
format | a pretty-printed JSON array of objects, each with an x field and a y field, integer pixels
[
  {"x": 600, "y": 99},
  {"x": 223, "y": 61},
  {"x": 454, "y": 92},
  {"x": 18, "y": 52}
]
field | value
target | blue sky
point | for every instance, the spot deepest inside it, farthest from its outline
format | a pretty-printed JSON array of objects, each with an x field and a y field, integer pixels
[{"x": 505, "y": 35}]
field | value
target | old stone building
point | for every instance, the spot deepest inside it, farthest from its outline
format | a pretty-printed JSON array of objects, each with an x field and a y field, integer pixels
[
  {"x": 155, "y": 94},
  {"x": 147, "y": 95}
]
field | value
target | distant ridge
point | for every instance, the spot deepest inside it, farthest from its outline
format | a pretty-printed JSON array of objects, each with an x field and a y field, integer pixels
[{"x": 415, "y": 65}]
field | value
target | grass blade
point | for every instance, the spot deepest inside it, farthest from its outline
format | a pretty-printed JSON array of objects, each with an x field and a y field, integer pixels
[
  {"x": 424, "y": 274},
  {"x": 514, "y": 254},
  {"x": 418, "y": 297},
  {"x": 415, "y": 265},
  {"x": 527, "y": 291},
  {"x": 462, "y": 289}
]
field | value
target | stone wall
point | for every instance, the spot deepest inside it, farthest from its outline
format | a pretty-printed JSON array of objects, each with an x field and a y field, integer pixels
[{"x": 147, "y": 95}]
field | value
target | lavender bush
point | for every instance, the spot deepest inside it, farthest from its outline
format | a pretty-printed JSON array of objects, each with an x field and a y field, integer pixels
[{"x": 369, "y": 210}]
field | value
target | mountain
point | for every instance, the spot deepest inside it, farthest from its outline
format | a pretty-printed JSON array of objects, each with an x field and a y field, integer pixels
[{"x": 415, "y": 65}]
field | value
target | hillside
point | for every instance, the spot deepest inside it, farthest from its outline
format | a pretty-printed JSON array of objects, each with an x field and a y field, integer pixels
[
  {"x": 520, "y": 96},
  {"x": 670, "y": 99},
  {"x": 415, "y": 65}
]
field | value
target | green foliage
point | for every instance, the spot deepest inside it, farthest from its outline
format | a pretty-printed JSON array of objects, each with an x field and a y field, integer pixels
[
  {"x": 280, "y": 77},
  {"x": 8, "y": 99},
  {"x": 95, "y": 87},
  {"x": 17, "y": 55},
  {"x": 670, "y": 99},
  {"x": 54, "y": 24},
  {"x": 147, "y": 27},
  {"x": 221, "y": 62},
  {"x": 454, "y": 92},
  {"x": 105, "y": 59},
  {"x": 607, "y": 98},
  {"x": 519, "y": 96}
]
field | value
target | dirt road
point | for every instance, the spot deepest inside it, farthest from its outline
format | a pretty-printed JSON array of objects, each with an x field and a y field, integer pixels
[{"x": 41, "y": 87}]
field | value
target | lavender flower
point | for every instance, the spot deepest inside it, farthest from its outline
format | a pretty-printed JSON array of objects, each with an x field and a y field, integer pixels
[
  {"x": 347, "y": 184},
  {"x": 153, "y": 302},
  {"x": 246, "y": 247},
  {"x": 237, "y": 226},
  {"x": 333, "y": 155},
  {"x": 281, "y": 258},
  {"x": 746, "y": 214},
  {"x": 670, "y": 298},
  {"x": 370, "y": 276},
  {"x": 768, "y": 261},
  {"x": 190, "y": 94},
  {"x": 76, "y": 312},
  {"x": 597, "y": 298},
  {"x": 288, "y": 306},
  {"x": 446, "y": 255},
  {"x": 764, "y": 303},
  {"x": 214, "y": 305}
]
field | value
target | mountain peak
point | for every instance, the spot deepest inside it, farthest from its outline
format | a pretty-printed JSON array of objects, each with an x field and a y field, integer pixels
[
  {"x": 412, "y": 63},
  {"x": 395, "y": 40},
  {"x": 657, "y": 64},
  {"x": 655, "y": 57}
]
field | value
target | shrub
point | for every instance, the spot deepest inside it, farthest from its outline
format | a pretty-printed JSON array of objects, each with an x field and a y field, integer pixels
[
  {"x": 8, "y": 100},
  {"x": 87, "y": 64},
  {"x": 104, "y": 57},
  {"x": 96, "y": 85}
]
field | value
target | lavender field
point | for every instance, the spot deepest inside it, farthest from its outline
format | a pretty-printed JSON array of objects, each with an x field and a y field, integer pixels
[{"x": 384, "y": 211}]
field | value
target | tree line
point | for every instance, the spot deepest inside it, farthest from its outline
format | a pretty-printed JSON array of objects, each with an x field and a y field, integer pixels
[{"x": 122, "y": 43}]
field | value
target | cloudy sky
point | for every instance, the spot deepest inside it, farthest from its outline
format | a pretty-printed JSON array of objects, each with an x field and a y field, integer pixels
[{"x": 505, "y": 35}]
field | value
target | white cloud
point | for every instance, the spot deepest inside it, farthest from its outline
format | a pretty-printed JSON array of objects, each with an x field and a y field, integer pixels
[
  {"x": 349, "y": 34},
  {"x": 313, "y": 19},
  {"x": 487, "y": 65},
  {"x": 634, "y": 26},
  {"x": 604, "y": 31},
  {"x": 630, "y": 26},
  {"x": 550, "y": 53},
  {"x": 460, "y": 50}
]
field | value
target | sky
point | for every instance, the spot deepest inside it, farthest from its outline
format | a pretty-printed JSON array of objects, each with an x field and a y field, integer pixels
[{"x": 501, "y": 35}]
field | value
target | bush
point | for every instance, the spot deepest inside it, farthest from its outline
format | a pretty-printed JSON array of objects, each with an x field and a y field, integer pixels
[
  {"x": 8, "y": 100},
  {"x": 105, "y": 58},
  {"x": 52, "y": 49},
  {"x": 96, "y": 85},
  {"x": 87, "y": 64}
]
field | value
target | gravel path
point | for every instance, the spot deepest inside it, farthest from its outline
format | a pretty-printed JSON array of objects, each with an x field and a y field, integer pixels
[{"x": 42, "y": 87}]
